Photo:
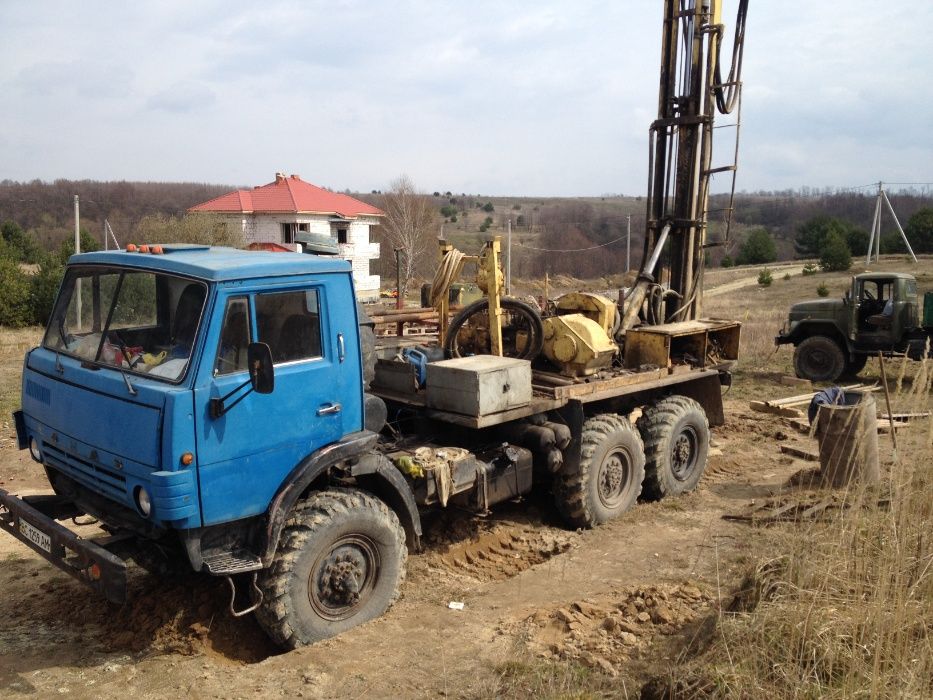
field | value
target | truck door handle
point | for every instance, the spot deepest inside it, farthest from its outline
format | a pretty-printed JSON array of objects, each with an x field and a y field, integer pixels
[
  {"x": 341, "y": 347},
  {"x": 329, "y": 409}
]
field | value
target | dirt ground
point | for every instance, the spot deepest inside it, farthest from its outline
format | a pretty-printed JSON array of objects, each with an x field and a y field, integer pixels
[{"x": 618, "y": 600}]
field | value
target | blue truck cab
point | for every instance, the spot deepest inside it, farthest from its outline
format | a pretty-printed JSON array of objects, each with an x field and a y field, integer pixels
[{"x": 186, "y": 397}]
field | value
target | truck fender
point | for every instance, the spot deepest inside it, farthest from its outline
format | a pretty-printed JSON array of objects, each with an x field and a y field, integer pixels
[
  {"x": 308, "y": 470},
  {"x": 806, "y": 329},
  {"x": 380, "y": 477}
]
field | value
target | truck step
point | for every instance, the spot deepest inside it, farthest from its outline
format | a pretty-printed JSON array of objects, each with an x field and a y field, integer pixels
[{"x": 236, "y": 562}]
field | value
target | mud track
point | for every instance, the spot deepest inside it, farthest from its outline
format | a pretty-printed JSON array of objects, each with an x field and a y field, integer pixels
[{"x": 530, "y": 589}]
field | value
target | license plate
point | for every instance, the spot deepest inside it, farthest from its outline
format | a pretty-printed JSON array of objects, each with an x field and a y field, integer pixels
[{"x": 36, "y": 536}]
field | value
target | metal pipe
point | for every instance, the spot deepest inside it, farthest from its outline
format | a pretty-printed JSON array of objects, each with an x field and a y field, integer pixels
[{"x": 644, "y": 282}]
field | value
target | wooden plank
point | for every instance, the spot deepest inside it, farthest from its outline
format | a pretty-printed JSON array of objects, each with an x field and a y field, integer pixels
[
  {"x": 783, "y": 411},
  {"x": 664, "y": 380},
  {"x": 600, "y": 385},
  {"x": 795, "y": 381},
  {"x": 904, "y": 417},
  {"x": 799, "y": 453},
  {"x": 804, "y": 398}
]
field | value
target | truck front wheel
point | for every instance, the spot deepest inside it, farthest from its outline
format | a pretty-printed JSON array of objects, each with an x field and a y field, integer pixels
[
  {"x": 340, "y": 562},
  {"x": 819, "y": 359},
  {"x": 608, "y": 481},
  {"x": 676, "y": 435}
]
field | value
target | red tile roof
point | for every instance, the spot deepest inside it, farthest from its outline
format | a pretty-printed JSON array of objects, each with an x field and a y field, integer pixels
[{"x": 289, "y": 194}]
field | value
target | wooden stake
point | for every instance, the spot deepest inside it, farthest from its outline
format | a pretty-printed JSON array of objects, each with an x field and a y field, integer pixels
[{"x": 887, "y": 401}]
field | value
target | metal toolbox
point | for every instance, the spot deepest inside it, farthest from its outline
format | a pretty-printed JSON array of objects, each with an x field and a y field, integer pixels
[{"x": 478, "y": 385}]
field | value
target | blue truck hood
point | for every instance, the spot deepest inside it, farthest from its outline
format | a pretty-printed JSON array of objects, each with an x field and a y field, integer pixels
[{"x": 71, "y": 401}]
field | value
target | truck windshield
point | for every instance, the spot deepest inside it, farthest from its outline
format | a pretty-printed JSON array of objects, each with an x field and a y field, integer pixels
[{"x": 140, "y": 321}]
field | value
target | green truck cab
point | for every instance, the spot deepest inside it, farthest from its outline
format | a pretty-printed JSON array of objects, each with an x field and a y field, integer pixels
[{"x": 879, "y": 313}]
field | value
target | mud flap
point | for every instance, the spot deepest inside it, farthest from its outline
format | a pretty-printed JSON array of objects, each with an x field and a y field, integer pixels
[{"x": 32, "y": 520}]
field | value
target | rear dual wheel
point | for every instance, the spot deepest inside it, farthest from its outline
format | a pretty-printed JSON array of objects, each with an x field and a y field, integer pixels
[
  {"x": 676, "y": 435},
  {"x": 609, "y": 477}
]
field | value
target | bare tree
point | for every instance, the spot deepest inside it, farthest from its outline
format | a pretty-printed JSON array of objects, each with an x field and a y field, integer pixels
[
  {"x": 408, "y": 226},
  {"x": 201, "y": 227}
]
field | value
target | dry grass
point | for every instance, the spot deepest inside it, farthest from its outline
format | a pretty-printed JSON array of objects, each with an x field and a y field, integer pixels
[
  {"x": 13, "y": 346},
  {"x": 840, "y": 609}
]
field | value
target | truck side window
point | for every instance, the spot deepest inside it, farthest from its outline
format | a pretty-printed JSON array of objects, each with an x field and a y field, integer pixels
[
  {"x": 290, "y": 322},
  {"x": 234, "y": 338}
]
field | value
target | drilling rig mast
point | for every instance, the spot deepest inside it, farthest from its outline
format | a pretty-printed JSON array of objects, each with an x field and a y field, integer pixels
[{"x": 692, "y": 91}]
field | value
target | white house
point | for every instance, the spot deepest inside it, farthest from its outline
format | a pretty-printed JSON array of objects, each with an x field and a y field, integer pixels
[{"x": 290, "y": 211}]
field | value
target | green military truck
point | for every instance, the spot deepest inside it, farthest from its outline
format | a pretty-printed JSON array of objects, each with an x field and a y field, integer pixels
[{"x": 880, "y": 313}]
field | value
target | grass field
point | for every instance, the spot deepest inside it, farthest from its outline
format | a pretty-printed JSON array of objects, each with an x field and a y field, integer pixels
[{"x": 837, "y": 607}]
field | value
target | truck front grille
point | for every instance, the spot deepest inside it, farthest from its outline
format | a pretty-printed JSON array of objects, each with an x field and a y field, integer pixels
[{"x": 94, "y": 476}]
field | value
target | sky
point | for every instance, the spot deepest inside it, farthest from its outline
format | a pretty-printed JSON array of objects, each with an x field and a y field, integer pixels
[{"x": 524, "y": 98}]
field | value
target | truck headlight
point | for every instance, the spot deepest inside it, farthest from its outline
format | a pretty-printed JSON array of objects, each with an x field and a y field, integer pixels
[
  {"x": 142, "y": 501},
  {"x": 34, "y": 449}
]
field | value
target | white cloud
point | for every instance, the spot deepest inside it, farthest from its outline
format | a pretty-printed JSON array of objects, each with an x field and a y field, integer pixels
[{"x": 526, "y": 97}]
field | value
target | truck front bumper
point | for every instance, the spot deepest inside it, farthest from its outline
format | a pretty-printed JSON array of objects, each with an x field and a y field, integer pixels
[{"x": 33, "y": 521}]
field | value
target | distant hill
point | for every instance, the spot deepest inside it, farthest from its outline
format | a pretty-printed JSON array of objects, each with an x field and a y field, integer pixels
[{"x": 583, "y": 236}]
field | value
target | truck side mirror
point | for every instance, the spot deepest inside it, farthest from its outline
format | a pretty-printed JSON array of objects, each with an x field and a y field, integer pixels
[{"x": 261, "y": 372}]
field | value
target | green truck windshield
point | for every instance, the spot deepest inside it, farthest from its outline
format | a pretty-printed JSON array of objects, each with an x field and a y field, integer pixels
[{"x": 140, "y": 321}]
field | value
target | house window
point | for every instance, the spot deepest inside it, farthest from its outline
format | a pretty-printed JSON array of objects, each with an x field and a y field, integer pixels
[
  {"x": 342, "y": 235},
  {"x": 291, "y": 230}
]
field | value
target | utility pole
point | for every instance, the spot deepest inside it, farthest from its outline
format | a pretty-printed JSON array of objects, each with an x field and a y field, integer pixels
[
  {"x": 628, "y": 243},
  {"x": 77, "y": 250},
  {"x": 874, "y": 240},
  {"x": 508, "y": 260}
]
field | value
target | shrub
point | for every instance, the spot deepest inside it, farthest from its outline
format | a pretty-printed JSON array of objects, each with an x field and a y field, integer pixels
[
  {"x": 764, "y": 278},
  {"x": 488, "y": 207},
  {"x": 822, "y": 291},
  {"x": 757, "y": 248},
  {"x": 836, "y": 256},
  {"x": 786, "y": 276},
  {"x": 726, "y": 261},
  {"x": 15, "y": 307},
  {"x": 809, "y": 269},
  {"x": 43, "y": 289}
]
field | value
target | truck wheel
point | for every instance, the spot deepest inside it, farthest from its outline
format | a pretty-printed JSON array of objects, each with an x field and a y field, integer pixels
[
  {"x": 367, "y": 346},
  {"x": 612, "y": 467},
  {"x": 676, "y": 435},
  {"x": 819, "y": 359},
  {"x": 340, "y": 562},
  {"x": 853, "y": 367}
]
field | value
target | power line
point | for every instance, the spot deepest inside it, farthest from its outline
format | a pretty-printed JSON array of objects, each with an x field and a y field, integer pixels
[{"x": 574, "y": 250}]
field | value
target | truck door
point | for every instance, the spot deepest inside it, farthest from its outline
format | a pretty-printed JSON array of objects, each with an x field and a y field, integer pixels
[
  {"x": 245, "y": 454},
  {"x": 854, "y": 297}
]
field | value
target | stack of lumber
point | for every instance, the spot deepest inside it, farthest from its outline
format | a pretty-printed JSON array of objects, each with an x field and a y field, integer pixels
[{"x": 786, "y": 407}]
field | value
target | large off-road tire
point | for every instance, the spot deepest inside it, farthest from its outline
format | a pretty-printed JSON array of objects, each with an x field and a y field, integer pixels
[
  {"x": 853, "y": 367},
  {"x": 340, "y": 562},
  {"x": 608, "y": 481},
  {"x": 819, "y": 359},
  {"x": 676, "y": 435},
  {"x": 367, "y": 346}
]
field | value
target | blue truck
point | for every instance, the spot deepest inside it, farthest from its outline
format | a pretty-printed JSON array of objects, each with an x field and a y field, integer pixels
[
  {"x": 216, "y": 411},
  {"x": 229, "y": 413}
]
